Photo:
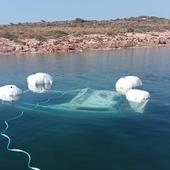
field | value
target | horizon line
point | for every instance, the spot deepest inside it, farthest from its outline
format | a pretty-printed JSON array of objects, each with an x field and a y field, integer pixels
[
  {"x": 85, "y": 19},
  {"x": 81, "y": 18}
]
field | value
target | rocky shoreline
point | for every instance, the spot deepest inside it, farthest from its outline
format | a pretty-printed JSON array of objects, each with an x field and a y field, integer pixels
[{"x": 81, "y": 43}]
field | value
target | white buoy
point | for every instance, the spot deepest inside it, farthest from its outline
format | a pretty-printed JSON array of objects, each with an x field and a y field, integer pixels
[
  {"x": 39, "y": 82},
  {"x": 138, "y": 99},
  {"x": 39, "y": 79},
  {"x": 10, "y": 93},
  {"x": 126, "y": 83},
  {"x": 137, "y": 96}
]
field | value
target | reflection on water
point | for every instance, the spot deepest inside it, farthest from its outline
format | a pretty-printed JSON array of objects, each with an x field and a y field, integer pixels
[{"x": 76, "y": 128}]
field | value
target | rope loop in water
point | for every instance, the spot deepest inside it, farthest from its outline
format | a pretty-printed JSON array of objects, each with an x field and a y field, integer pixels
[{"x": 3, "y": 133}]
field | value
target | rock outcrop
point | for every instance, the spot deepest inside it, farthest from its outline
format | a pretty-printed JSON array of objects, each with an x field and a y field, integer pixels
[{"x": 85, "y": 43}]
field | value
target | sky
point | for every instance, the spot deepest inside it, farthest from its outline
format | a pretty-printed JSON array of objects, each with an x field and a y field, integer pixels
[{"x": 51, "y": 10}]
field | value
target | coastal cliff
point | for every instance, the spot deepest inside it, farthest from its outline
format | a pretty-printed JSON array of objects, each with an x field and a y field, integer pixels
[{"x": 83, "y": 35}]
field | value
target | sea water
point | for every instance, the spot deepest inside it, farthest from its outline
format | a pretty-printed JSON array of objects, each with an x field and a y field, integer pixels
[{"x": 75, "y": 125}]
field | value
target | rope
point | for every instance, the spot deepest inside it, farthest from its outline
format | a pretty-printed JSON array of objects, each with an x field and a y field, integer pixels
[{"x": 3, "y": 133}]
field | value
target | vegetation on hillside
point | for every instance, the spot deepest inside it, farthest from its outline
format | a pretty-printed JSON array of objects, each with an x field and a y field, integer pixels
[{"x": 44, "y": 30}]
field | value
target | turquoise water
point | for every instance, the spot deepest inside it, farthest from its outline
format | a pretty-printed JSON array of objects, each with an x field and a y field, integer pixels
[{"x": 93, "y": 136}]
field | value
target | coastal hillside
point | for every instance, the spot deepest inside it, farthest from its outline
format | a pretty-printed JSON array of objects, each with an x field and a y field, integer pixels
[
  {"x": 43, "y": 29},
  {"x": 80, "y": 34}
]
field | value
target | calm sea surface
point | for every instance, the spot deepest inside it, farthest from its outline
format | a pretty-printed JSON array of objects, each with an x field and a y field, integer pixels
[{"x": 92, "y": 139}]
